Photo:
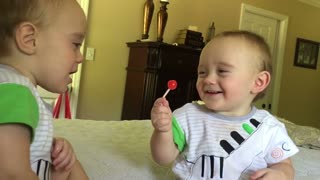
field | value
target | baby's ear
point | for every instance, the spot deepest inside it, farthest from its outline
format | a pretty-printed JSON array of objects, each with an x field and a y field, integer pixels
[
  {"x": 261, "y": 82},
  {"x": 25, "y": 37}
]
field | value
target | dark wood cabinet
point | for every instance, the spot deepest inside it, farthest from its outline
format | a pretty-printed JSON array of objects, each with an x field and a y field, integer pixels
[{"x": 150, "y": 66}]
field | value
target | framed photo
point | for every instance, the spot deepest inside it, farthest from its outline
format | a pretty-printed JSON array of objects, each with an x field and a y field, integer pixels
[{"x": 306, "y": 54}]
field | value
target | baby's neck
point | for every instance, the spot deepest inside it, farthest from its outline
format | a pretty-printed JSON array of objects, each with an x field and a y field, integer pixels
[
  {"x": 19, "y": 67},
  {"x": 237, "y": 113}
]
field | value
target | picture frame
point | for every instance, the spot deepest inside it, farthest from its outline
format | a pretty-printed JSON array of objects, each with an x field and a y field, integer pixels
[{"x": 306, "y": 53}]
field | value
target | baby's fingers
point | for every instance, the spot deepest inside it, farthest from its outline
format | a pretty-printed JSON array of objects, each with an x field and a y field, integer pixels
[
  {"x": 162, "y": 122},
  {"x": 160, "y": 113},
  {"x": 67, "y": 163},
  {"x": 259, "y": 174},
  {"x": 161, "y": 102},
  {"x": 58, "y": 144}
]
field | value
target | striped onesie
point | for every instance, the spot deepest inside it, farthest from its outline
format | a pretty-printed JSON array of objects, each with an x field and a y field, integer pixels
[
  {"x": 214, "y": 146},
  {"x": 21, "y": 103}
]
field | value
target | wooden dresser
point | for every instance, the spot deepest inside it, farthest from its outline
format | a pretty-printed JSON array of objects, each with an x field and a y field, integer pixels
[{"x": 150, "y": 66}]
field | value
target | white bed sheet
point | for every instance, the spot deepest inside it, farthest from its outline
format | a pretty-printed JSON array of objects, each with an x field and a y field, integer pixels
[
  {"x": 307, "y": 164},
  {"x": 120, "y": 150}
]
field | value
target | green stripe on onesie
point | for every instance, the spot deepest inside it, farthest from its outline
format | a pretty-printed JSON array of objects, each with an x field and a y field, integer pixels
[
  {"x": 18, "y": 105},
  {"x": 178, "y": 135}
]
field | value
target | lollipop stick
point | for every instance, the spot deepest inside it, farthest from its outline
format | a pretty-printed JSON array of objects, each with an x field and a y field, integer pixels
[{"x": 165, "y": 94}]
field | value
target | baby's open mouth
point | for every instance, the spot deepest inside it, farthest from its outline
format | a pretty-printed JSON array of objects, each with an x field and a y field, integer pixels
[
  {"x": 212, "y": 92},
  {"x": 73, "y": 72}
]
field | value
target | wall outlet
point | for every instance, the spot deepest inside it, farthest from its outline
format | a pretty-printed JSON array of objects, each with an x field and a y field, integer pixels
[{"x": 90, "y": 53}]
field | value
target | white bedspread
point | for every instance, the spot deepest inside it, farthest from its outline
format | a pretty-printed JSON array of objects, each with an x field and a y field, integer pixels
[
  {"x": 120, "y": 150},
  {"x": 307, "y": 164}
]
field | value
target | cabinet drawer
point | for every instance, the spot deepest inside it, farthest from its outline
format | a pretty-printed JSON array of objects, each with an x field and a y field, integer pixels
[{"x": 179, "y": 59}]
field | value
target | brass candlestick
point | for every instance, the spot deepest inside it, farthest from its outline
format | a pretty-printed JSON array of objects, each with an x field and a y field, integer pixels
[
  {"x": 147, "y": 17},
  {"x": 162, "y": 20}
]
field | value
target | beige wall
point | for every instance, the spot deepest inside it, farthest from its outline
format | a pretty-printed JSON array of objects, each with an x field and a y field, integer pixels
[{"x": 112, "y": 24}]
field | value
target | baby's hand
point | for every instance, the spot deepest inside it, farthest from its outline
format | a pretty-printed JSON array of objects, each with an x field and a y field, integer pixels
[
  {"x": 161, "y": 115},
  {"x": 268, "y": 174},
  {"x": 63, "y": 157}
]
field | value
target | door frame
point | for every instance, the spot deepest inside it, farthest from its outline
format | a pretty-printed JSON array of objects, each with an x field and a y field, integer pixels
[
  {"x": 280, "y": 46},
  {"x": 74, "y": 95}
]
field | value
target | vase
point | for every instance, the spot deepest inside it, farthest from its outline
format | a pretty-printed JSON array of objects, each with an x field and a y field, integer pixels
[
  {"x": 147, "y": 17},
  {"x": 211, "y": 32},
  {"x": 162, "y": 20}
]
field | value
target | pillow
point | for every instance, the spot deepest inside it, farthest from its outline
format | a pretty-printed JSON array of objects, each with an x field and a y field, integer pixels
[{"x": 302, "y": 135}]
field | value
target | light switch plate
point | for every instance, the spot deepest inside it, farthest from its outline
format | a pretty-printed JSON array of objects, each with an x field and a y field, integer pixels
[{"x": 90, "y": 53}]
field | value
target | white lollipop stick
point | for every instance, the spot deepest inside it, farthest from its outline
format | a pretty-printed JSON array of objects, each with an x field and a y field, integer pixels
[{"x": 165, "y": 94}]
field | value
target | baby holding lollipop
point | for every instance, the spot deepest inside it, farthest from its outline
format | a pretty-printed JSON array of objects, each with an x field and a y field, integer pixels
[{"x": 226, "y": 136}]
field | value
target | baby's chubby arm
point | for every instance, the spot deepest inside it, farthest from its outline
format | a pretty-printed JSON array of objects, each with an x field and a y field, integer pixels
[
  {"x": 282, "y": 170},
  {"x": 163, "y": 149},
  {"x": 15, "y": 152}
]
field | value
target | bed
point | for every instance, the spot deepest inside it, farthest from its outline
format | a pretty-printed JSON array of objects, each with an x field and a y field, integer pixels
[{"x": 120, "y": 149}]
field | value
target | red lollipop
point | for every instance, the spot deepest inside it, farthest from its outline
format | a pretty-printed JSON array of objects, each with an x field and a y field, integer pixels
[{"x": 172, "y": 85}]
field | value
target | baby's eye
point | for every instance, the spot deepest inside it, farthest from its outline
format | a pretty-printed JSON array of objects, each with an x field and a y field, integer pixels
[
  {"x": 77, "y": 45},
  {"x": 222, "y": 71},
  {"x": 201, "y": 73}
]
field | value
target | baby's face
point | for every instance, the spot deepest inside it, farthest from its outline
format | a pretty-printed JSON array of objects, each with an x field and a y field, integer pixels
[
  {"x": 227, "y": 72},
  {"x": 58, "y": 53}
]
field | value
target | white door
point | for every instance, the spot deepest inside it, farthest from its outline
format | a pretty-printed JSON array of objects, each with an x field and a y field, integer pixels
[
  {"x": 76, "y": 77},
  {"x": 75, "y": 86},
  {"x": 272, "y": 27}
]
